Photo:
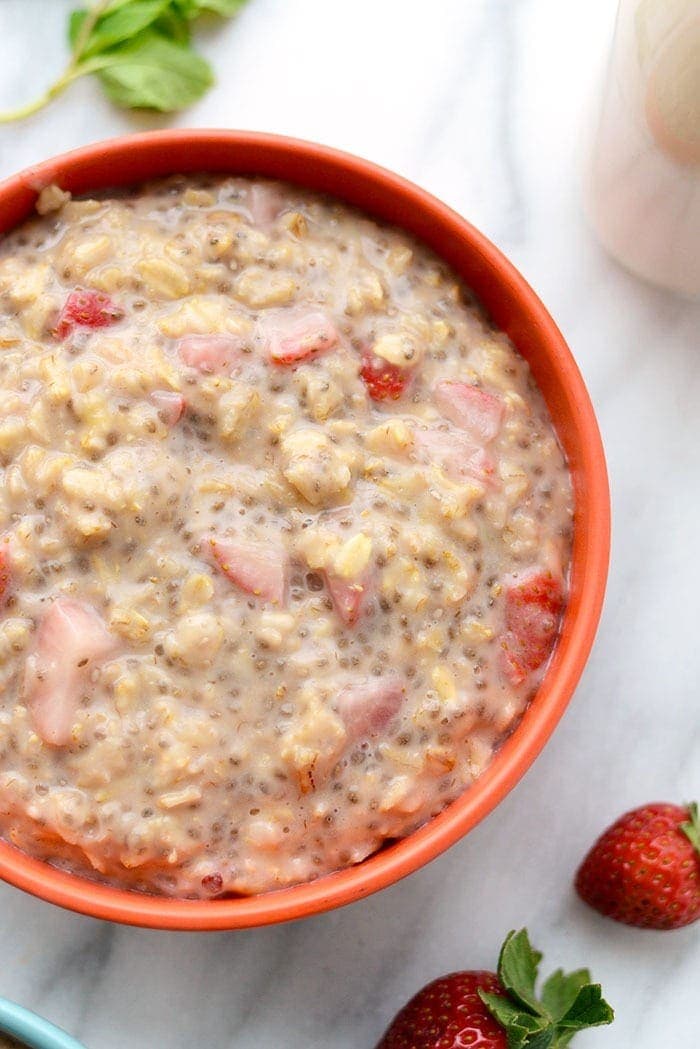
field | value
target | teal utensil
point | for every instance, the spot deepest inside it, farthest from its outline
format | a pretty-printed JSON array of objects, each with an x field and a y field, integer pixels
[{"x": 32, "y": 1030}]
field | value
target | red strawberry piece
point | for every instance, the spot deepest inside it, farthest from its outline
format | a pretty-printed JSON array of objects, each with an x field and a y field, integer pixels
[
  {"x": 170, "y": 405},
  {"x": 86, "y": 309},
  {"x": 71, "y": 639},
  {"x": 258, "y": 568},
  {"x": 472, "y": 409},
  {"x": 210, "y": 353},
  {"x": 301, "y": 338},
  {"x": 213, "y": 883},
  {"x": 367, "y": 707},
  {"x": 384, "y": 381},
  {"x": 533, "y": 611},
  {"x": 485, "y": 1010},
  {"x": 645, "y": 869}
]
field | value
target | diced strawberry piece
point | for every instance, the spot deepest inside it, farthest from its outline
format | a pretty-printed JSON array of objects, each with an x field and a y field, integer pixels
[
  {"x": 264, "y": 203},
  {"x": 384, "y": 381},
  {"x": 367, "y": 707},
  {"x": 210, "y": 353},
  {"x": 170, "y": 405},
  {"x": 533, "y": 610},
  {"x": 533, "y": 607},
  {"x": 259, "y": 569},
  {"x": 213, "y": 883},
  {"x": 482, "y": 466},
  {"x": 4, "y": 575},
  {"x": 474, "y": 410},
  {"x": 456, "y": 454},
  {"x": 301, "y": 338},
  {"x": 348, "y": 596},
  {"x": 86, "y": 309},
  {"x": 513, "y": 666},
  {"x": 71, "y": 639}
]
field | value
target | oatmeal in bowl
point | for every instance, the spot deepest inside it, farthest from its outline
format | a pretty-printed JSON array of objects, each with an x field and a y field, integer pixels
[{"x": 286, "y": 536}]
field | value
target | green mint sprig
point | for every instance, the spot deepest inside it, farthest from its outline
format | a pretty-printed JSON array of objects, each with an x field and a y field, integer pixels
[{"x": 141, "y": 52}]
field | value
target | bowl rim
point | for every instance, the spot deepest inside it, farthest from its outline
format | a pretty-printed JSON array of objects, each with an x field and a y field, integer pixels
[{"x": 392, "y": 197}]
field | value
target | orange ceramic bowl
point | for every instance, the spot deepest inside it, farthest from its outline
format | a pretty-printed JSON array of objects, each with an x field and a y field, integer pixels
[{"x": 516, "y": 309}]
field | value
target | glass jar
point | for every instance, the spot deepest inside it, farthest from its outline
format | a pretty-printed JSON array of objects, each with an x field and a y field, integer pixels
[{"x": 644, "y": 192}]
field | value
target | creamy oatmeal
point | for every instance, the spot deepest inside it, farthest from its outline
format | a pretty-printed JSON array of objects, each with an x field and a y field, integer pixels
[{"x": 285, "y": 531}]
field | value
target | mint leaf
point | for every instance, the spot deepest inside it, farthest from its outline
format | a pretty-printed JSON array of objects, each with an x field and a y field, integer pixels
[
  {"x": 75, "y": 24},
  {"x": 173, "y": 26},
  {"x": 151, "y": 72},
  {"x": 118, "y": 23},
  {"x": 589, "y": 1009},
  {"x": 194, "y": 8},
  {"x": 560, "y": 990},
  {"x": 691, "y": 829},
  {"x": 139, "y": 49},
  {"x": 517, "y": 969}
]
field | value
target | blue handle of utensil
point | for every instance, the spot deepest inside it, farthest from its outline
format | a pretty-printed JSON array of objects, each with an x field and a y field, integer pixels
[{"x": 32, "y": 1030}]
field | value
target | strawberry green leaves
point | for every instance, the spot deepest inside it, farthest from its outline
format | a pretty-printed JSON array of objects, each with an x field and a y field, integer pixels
[
  {"x": 517, "y": 969},
  {"x": 691, "y": 829},
  {"x": 560, "y": 991},
  {"x": 141, "y": 52},
  {"x": 568, "y": 1002}
]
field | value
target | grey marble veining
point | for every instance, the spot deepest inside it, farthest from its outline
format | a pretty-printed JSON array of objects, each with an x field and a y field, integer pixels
[{"x": 487, "y": 103}]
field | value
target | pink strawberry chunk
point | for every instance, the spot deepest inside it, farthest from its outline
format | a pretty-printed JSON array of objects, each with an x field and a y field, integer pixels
[
  {"x": 456, "y": 454},
  {"x": 367, "y": 707},
  {"x": 86, "y": 309},
  {"x": 170, "y": 405},
  {"x": 301, "y": 338},
  {"x": 259, "y": 569},
  {"x": 264, "y": 203},
  {"x": 348, "y": 596},
  {"x": 210, "y": 353},
  {"x": 534, "y": 605},
  {"x": 71, "y": 639},
  {"x": 472, "y": 409}
]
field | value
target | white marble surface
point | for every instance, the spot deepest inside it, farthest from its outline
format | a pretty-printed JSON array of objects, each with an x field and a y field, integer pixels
[{"x": 484, "y": 102}]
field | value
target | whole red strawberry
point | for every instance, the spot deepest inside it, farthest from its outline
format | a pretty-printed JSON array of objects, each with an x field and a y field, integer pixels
[
  {"x": 483, "y": 1010},
  {"x": 645, "y": 869},
  {"x": 449, "y": 1012}
]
